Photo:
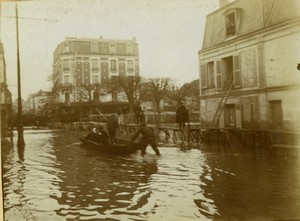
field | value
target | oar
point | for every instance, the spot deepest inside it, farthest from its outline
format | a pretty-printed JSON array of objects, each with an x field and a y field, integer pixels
[
  {"x": 121, "y": 135},
  {"x": 101, "y": 114}
]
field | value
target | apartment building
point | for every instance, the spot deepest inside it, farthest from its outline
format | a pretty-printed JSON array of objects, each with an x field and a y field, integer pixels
[
  {"x": 248, "y": 65},
  {"x": 88, "y": 64}
]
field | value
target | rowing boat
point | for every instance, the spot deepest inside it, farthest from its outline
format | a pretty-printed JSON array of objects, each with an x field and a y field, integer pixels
[{"x": 117, "y": 148}]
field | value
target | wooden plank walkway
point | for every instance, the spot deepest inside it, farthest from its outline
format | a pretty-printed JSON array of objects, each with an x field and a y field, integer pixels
[{"x": 252, "y": 137}]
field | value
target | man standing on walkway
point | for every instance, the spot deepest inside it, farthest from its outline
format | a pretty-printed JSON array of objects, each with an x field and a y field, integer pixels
[
  {"x": 182, "y": 115},
  {"x": 148, "y": 137}
]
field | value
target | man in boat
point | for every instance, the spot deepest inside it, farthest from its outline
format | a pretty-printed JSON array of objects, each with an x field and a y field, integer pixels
[
  {"x": 148, "y": 137},
  {"x": 93, "y": 135},
  {"x": 103, "y": 136}
]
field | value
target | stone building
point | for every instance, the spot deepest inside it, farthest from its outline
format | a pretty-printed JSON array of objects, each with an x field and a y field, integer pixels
[
  {"x": 248, "y": 65},
  {"x": 82, "y": 64},
  {"x": 5, "y": 95}
]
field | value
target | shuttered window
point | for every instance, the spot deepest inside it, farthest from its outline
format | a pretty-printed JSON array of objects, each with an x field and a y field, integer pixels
[
  {"x": 237, "y": 72},
  {"x": 203, "y": 74},
  {"x": 219, "y": 75}
]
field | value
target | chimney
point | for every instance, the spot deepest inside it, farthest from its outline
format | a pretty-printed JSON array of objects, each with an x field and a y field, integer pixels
[{"x": 222, "y": 3}]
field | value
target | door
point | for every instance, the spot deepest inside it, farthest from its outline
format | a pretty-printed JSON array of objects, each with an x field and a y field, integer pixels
[
  {"x": 275, "y": 110},
  {"x": 229, "y": 115}
]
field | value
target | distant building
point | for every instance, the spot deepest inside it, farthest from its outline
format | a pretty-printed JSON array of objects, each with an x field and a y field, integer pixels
[
  {"x": 36, "y": 103},
  {"x": 85, "y": 65},
  {"x": 249, "y": 57},
  {"x": 5, "y": 95}
]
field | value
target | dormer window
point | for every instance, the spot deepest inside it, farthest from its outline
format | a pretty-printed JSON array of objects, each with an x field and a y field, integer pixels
[
  {"x": 66, "y": 47},
  {"x": 94, "y": 47},
  {"x": 230, "y": 24},
  {"x": 232, "y": 21}
]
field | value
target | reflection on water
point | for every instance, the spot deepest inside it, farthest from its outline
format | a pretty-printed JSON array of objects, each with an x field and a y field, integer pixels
[{"x": 54, "y": 178}]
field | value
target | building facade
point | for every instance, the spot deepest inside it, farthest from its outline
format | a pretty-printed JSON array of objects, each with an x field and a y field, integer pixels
[
  {"x": 88, "y": 64},
  {"x": 37, "y": 102},
  {"x": 249, "y": 58},
  {"x": 5, "y": 95}
]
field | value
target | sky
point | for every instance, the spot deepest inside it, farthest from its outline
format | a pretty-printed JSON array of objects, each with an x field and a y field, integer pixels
[{"x": 169, "y": 34}]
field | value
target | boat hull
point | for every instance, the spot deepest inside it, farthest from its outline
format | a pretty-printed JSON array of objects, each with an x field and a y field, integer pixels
[{"x": 113, "y": 148}]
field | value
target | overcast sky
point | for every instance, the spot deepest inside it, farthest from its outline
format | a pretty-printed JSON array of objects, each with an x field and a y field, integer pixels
[{"x": 169, "y": 34}]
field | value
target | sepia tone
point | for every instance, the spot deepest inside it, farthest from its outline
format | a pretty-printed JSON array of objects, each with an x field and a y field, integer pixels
[{"x": 150, "y": 110}]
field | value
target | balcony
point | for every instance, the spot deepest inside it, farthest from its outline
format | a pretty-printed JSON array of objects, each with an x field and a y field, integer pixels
[{"x": 64, "y": 86}]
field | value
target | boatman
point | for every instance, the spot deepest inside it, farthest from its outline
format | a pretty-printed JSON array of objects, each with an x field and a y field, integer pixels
[{"x": 148, "y": 137}]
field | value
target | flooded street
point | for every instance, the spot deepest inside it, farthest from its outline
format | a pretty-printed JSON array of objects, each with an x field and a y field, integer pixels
[{"x": 55, "y": 178}]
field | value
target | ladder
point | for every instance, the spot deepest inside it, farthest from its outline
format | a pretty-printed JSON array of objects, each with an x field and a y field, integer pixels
[{"x": 227, "y": 90}]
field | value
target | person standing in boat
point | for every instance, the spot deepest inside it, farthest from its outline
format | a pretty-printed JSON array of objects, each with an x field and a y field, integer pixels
[
  {"x": 112, "y": 125},
  {"x": 148, "y": 137}
]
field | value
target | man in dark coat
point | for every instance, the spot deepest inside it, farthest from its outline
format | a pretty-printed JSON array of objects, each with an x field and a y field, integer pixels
[
  {"x": 182, "y": 115},
  {"x": 148, "y": 137},
  {"x": 112, "y": 125}
]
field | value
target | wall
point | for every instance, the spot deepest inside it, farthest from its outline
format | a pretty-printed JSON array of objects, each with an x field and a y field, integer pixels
[{"x": 281, "y": 58}]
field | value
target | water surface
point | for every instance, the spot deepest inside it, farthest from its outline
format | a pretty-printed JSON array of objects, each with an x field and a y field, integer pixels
[{"x": 54, "y": 178}]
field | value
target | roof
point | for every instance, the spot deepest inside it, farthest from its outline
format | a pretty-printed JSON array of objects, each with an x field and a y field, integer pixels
[{"x": 255, "y": 15}]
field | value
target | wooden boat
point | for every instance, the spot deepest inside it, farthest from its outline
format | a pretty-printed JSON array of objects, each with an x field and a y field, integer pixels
[{"x": 117, "y": 148}]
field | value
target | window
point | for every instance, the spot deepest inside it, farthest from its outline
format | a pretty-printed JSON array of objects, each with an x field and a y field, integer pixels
[
  {"x": 276, "y": 115},
  {"x": 66, "y": 65},
  {"x": 94, "y": 47},
  {"x": 232, "y": 18},
  {"x": 129, "y": 49},
  {"x": 236, "y": 72},
  {"x": 112, "y": 49},
  {"x": 95, "y": 79},
  {"x": 219, "y": 75},
  {"x": 130, "y": 65},
  {"x": 66, "y": 47},
  {"x": 104, "y": 47},
  {"x": 211, "y": 74},
  {"x": 67, "y": 79},
  {"x": 67, "y": 98},
  {"x": 137, "y": 68},
  {"x": 113, "y": 65},
  {"x": 121, "y": 48},
  {"x": 230, "y": 24},
  {"x": 203, "y": 75},
  {"x": 95, "y": 65}
]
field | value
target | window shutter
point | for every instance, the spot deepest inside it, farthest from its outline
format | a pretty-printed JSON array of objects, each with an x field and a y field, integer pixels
[
  {"x": 236, "y": 71},
  {"x": 219, "y": 75},
  {"x": 203, "y": 73}
]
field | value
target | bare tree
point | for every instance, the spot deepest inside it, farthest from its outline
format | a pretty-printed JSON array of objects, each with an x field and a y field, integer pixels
[
  {"x": 130, "y": 85},
  {"x": 89, "y": 92},
  {"x": 156, "y": 89},
  {"x": 178, "y": 94}
]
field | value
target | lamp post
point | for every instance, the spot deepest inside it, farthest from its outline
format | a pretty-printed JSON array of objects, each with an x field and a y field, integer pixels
[{"x": 21, "y": 141}]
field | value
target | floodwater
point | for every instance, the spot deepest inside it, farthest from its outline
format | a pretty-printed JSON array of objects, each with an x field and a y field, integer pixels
[{"x": 54, "y": 178}]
